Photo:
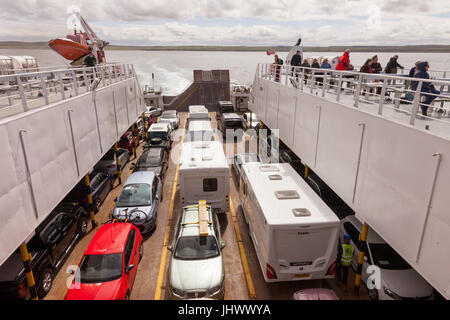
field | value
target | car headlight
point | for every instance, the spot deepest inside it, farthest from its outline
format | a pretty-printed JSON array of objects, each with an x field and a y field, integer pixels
[
  {"x": 391, "y": 293},
  {"x": 178, "y": 292}
]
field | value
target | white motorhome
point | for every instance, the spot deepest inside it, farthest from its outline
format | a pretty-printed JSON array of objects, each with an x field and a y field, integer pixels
[
  {"x": 198, "y": 112},
  {"x": 294, "y": 233},
  {"x": 200, "y": 130},
  {"x": 204, "y": 174}
]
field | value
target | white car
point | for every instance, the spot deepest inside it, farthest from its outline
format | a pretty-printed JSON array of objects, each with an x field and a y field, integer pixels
[
  {"x": 398, "y": 280},
  {"x": 172, "y": 117},
  {"x": 196, "y": 268}
]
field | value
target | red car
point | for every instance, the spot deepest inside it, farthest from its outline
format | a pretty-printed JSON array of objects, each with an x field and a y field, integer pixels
[
  {"x": 109, "y": 264},
  {"x": 127, "y": 142}
]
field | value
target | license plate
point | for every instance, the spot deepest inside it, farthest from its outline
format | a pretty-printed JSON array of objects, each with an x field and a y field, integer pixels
[{"x": 302, "y": 275}]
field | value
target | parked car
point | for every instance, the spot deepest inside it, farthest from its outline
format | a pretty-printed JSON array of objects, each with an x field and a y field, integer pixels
[
  {"x": 230, "y": 124},
  {"x": 315, "y": 294},
  {"x": 108, "y": 161},
  {"x": 101, "y": 184},
  {"x": 150, "y": 119},
  {"x": 139, "y": 129},
  {"x": 153, "y": 159},
  {"x": 153, "y": 111},
  {"x": 168, "y": 122},
  {"x": 288, "y": 156},
  {"x": 158, "y": 135},
  {"x": 339, "y": 207},
  {"x": 398, "y": 280},
  {"x": 139, "y": 200},
  {"x": 53, "y": 241},
  {"x": 196, "y": 267},
  {"x": 127, "y": 142},
  {"x": 172, "y": 116},
  {"x": 224, "y": 107},
  {"x": 108, "y": 267},
  {"x": 239, "y": 160}
]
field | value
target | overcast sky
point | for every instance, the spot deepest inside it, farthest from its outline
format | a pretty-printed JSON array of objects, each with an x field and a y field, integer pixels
[{"x": 234, "y": 22}]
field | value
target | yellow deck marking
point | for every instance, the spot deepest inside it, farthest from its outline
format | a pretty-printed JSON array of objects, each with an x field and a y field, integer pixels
[
  {"x": 248, "y": 276},
  {"x": 162, "y": 265}
]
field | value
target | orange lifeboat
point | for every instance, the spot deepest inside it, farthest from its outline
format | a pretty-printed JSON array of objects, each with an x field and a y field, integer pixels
[{"x": 68, "y": 48}]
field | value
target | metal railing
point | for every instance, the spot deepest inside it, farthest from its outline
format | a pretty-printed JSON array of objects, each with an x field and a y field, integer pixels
[
  {"x": 397, "y": 97},
  {"x": 24, "y": 91}
]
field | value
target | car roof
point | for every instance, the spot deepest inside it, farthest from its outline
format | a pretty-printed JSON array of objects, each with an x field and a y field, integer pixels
[
  {"x": 160, "y": 126},
  {"x": 232, "y": 115},
  {"x": 190, "y": 217},
  {"x": 110, "y": 238},
  {"x": 372, "y": 236},
  {"x": 140, "y": 177}
]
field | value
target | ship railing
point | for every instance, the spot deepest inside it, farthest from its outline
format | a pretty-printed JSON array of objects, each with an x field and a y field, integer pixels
[
  {"x": 21, "y": 92},
  {"x": 397, "y": 97}
]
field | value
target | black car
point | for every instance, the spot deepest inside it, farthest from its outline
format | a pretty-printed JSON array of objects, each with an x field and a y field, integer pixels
[
  {"x": 51, "y": 244},
  {"x": 224, "y": 107},
  {"x": 101, "y": 184},
  {"x": 230, "y": 124},
  {"x": 339, "y": 207},
  {"x": 153, "y": 159}
]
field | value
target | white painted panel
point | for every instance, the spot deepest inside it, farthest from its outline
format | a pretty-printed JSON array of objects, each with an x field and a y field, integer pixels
[
  {"x": 121, "y": 110},
  {"x": 306, "y": 128},
  {"x": 286, "y": 115},
  {"x": 106, "y": 118},
  {"x": 271, "y": 119}
]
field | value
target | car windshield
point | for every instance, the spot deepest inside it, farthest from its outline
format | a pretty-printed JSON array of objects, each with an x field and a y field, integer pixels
[
  {"x": 386, "y": 258},
  {"x": 196, "y": 248},
  {"x": 135, "y": 195},
  {"x": 158, "y": 134},
  {"x": 100, "y": 268},
  {"x": 168, "y": 115},
  {"x": 233, "y": 123}
]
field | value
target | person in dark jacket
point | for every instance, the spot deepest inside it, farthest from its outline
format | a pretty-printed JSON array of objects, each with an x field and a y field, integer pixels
[
  {"x": 427, "y": 87},
  {"x": 375, "y": 66},
  {"x": 90, "y": 60},
  {"x": 392, "y": 65},
  {"x": 305, "y": 64},
  {"x": 278, "y": 63},
  {"x": 296, "y": 61},
  {"x": 367, "y": 66},
  {"x": 412, "y": 72}
]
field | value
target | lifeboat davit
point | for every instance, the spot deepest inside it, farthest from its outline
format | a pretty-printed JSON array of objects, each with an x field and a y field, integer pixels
[{"x": 68, "y": 48}]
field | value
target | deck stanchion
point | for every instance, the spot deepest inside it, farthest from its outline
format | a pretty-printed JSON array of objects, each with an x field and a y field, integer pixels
[
  {"x": 134, "y": 140},
  {"x": 87, "y": 183},
  {"x": 362, "y": 246},
  {"x": 26, "y": 259},
  {"x": 116, "y": 147},
  {"x": 145, "y": 123},
  {"x": 306, "y": 172}
]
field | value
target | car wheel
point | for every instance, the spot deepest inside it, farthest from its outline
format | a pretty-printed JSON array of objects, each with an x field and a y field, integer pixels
[
  {"x": 141, "y": 252},
  {"x": 83, "y": 225},
  {"x": 97, "y": 205},
  {"x": 45, "y": 282},
  {"x": 373, "y": 294}
]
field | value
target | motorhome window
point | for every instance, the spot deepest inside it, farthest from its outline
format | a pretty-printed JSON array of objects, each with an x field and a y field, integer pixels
[
  {"x": 275, "y": 177},
  {"x": 301, "y": 212},
  {"x": 287, "y": 194},
  {"x": 268, "y": 168},
  {"x": 210, "y": 185}
]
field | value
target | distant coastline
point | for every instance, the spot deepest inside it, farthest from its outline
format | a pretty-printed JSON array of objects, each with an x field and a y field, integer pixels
[{"x": 408, "y": 48}]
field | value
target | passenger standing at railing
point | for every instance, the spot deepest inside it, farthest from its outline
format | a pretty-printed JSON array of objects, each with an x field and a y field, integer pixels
[
  {"x": 305, "y": 64},
  {"x": 392, "y": 65},
  {"x": 413, "y": 70},
  {"x": 278, "y": 63},
  {"x": 376, "y": 68},
  {"x": 344, "y": 61},
  {"x": 366, "y": 68},
  {"x": 317, "y": 75},
  {"x": 295, "y": 62},
  {"x": 427, "y": 87},
  {"x": 325, "y": 65},
  {"x": 90, "y": 60}
]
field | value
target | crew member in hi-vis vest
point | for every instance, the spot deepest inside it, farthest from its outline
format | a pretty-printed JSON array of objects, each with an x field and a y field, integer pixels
[{"x": 345, "y": 257}]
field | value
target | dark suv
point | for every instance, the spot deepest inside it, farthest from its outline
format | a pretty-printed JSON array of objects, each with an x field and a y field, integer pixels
[
  {"x": 152, "y": 159},
  {"x": 51, "y": 244},
  {"x": 230, "y": 124},
  {"x": 224, "y": 107}
]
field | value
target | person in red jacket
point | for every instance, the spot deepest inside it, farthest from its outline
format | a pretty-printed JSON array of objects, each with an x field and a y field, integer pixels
[{"x": 344, "y": 61}]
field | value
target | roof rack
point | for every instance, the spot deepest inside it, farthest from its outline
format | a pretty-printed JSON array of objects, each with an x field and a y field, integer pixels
[{"x": 203, "y": 221}]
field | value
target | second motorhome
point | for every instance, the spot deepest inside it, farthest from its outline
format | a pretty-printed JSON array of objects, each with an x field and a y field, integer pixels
[
  {"x": 294, "y": 233},
  {"x": 204, "y": 174}
]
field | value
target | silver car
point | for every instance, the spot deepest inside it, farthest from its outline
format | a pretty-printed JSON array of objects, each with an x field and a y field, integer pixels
[
  {"x": 196, "y": 268},
  {"x": 108, "y": 162},
  {"x": 172, "y": 116},
  {"x": 139, "y": 200}
]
